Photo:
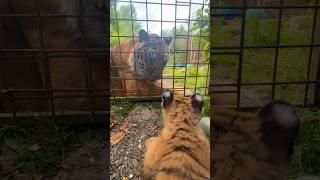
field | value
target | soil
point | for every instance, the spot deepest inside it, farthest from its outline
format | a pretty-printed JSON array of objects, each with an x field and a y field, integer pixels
[
  {"x": 81, "y": 161},
  {"x": 127, "y": 156},
  {"x": 86, "y": 158},
  {"x": 87, "y": 162}
]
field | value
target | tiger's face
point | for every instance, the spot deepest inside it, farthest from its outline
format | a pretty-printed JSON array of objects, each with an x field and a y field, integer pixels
[{"x": 151, "y": 56}]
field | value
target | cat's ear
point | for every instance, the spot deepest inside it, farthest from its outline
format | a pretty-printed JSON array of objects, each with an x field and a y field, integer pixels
[
  {"x": 280, "y": 127},
  {"x": 143, "y": 35},
  {"x": 167, "y": 40},
  {"x": 167, "y": 98},
  {"x": 197, "y": 102}
]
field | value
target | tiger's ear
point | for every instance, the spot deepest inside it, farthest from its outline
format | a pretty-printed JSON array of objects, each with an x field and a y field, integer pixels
[
  {"x": 143, "y": 35},
  {"x": 167, "y": 98},
  {"x": 280, "y": 127},
  {"x": 167, "y": 40},
  {"x": 197, "y": 102}
]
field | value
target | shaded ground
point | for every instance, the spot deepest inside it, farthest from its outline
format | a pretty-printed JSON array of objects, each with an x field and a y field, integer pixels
[
  {"x": 52, "y": 152},
  {"x": 127, "y": 156}
]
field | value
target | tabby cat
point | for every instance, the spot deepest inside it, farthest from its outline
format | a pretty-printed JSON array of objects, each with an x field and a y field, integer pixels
[
  {"x": 182, "y": 150},
  {"x": 254, "y": 147},
  {"x": 137, "y": 65}
]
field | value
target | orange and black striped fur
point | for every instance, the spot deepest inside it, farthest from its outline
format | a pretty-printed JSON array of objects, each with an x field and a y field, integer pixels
[
  {"x": 137, "y": 65},
  {"x": 182, "y": 150},
  {"x": 254, "y": 147}
]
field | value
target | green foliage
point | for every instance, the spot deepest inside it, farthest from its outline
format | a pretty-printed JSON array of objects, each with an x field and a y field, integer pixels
[
  {"x": 307, "y": 147},
  {"x": 127, "y": 27},
  {"x": 121, "y": 107},
  {"x": 200, "y": 28},
  {"x": 258, "y": 63},
  {"x": 196, "y": 77}
]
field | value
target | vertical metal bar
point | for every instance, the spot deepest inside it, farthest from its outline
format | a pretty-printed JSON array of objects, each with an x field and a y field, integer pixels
[
  {"x": 87, "y": 69},
  {"x": 161, "y": 81},
  {"x": 187, "y": 52},
  {"x": 275, "y": 65},
  {"x": 317, "y": 86},
  {"x": 147, "y": 20},
  {"x": 243, "y": 25},
  {"x": 134, "y": 47},
  {"x": 174, "y": 45},
  {"x": 119, "y": 44},
  {"x": 44, "y": 62},
  {"x": 313, "y": 32},
  {"x": 199, "y": 46},
  {"x": 206, "y": 92},
  {"x": 7, "y": 90}
]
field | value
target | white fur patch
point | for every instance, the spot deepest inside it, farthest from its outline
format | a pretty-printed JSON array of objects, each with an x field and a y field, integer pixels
[
  {"x": 167, "y": 94},
  {"x": 198, "y": 98}
]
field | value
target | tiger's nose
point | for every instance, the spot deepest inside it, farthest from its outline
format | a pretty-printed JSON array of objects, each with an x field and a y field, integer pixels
[{"x": 153, "y": 55}]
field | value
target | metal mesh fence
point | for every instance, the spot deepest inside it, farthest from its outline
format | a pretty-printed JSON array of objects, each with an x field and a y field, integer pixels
[
  {"x": 53, "y": 59},
  {"x": 265, "y": 50},
  {"x": 186, "y": 69}
]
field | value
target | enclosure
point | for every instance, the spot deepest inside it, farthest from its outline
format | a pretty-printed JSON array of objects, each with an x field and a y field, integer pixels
[
  {"x": 186, "y": 22},
  {"x": 265, "y": 50},
  {"x": 52, "y": 64}
]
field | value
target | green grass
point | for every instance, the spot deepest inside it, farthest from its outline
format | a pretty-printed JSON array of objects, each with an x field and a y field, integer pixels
[
  {"x": 258, "y": 64},
  {"x": 122, "y": 107},
  {"x": 192, "y": 78},
  {"x": 306, "y": 158}
]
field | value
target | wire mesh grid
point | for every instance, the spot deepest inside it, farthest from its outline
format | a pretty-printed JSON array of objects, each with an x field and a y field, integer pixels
[
  {"x": 265, "y": 50},
  {"x": 185, "y": 23},
  {"x": 51, "y": 63}
]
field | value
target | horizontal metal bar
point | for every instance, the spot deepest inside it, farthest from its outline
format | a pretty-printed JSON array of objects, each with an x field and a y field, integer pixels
[
  {"x": 52, "y": 90},
  {"x": 65, "y": 118},
  {"x": 164, "y": 78},
  {"x": 266, "y": 83},
  {"x": 53, "y": 96},
  {"x": 175, "y": 37},
  {"x": 159, "y": 3},
  {"x": 57, "y": 50},
  {"x": 225, "y": 53},
  {"x": 266, "y": 46},
  {"x": 155, "y": 20},
  {"x": 266, "y": 7},
  {"x": 53, "y": 15},
  {"x": 168, "y": 66}
]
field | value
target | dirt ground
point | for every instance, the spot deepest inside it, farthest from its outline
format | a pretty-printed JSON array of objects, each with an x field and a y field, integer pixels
[
  {"x": 81, "y": 157},
  {"x": 58, "y": 153},
  {"x": 127, "y": 156}
]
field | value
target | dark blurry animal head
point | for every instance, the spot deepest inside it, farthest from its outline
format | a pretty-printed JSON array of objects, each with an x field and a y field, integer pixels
[{"x": 280, "y": 127}]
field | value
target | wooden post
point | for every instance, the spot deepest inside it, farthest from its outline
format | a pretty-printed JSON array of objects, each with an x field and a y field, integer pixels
[{"x": 313, "y": 91}]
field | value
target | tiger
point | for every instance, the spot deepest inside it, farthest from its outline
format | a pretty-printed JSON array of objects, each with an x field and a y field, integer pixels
[
  {"x": 254, "y": 146},
  {"x": 182, "y": 150},
  {"x": 138, "y": 64},
  {"x": 55, "y": 73}
]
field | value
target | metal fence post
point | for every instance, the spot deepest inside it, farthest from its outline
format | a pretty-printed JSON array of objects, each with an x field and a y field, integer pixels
[{"x": 314, "y": 90}]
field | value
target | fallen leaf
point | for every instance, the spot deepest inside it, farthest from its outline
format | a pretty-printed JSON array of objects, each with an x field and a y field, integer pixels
[
  {"x": 124, "y": 178},
  {"x": 115, "y": 139},
  {"x": 125, "y": 125},
  {"x": 35, "y": 147}
]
